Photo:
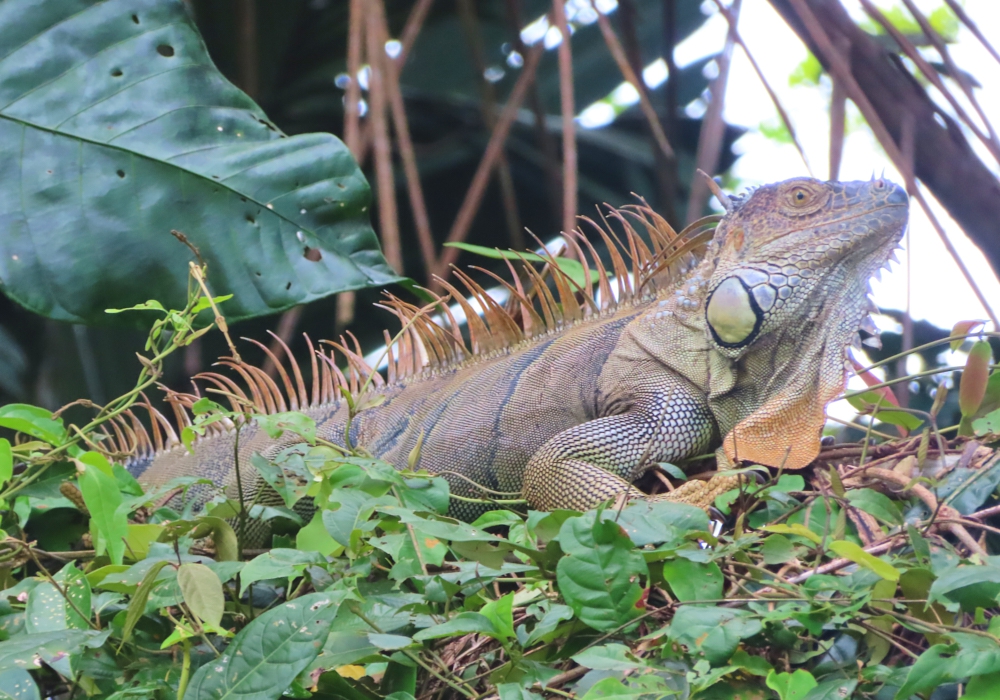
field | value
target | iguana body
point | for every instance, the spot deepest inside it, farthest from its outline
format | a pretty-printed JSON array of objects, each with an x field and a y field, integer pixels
[{"x": 747, "y": 345}]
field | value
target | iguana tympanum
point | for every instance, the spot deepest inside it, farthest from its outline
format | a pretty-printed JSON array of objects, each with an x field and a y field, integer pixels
[{"x": 737, "y": 337}]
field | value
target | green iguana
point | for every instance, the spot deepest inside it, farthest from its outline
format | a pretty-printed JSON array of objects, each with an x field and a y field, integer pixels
[{"x": 567, "y": 397}]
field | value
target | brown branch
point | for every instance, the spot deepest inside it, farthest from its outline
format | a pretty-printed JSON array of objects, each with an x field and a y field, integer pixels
[
  {"x": 414, "y": 23},
  {"x": 884, "y": 91},
  {"x": 618, "y": 53},
  {"x": 713, "y": 128},
  {"x": 731, "y": 20},
  {"x": 386, "y": 189},
  {"x": 352, "y": 113},
  {"x": 474, "y": 195},
  {"x": 488, "y": 107},
  {"x": 932, "y": 74},
  {"x": 402, "y": 128},
  {"x": 973, "y": 27},
  {"x": 568, "y": 114}
]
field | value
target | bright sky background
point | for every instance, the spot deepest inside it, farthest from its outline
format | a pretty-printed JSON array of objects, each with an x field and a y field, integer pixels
[{"x": 938, "y": 292}]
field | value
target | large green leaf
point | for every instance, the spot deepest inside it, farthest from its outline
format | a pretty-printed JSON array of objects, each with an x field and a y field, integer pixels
[
  {"x": 115, "y": 128},
  {"x": 266, "y": 656},
  {"x": 599, "y": 576}
]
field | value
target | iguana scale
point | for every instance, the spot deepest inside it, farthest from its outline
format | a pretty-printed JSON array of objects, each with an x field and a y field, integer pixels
[{"x": 567, "y": 398}]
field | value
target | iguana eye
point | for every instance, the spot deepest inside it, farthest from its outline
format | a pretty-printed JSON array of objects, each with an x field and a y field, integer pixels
[{"x": 732, "y": 313}]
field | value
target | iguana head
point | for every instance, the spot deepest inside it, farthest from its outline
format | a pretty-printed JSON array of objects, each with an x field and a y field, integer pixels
[{"x": 785, "y": 300}]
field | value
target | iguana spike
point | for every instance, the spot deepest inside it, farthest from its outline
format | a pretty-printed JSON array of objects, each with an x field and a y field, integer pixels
[
  {"x": 478, "y": 334},
  {"x": 545, "y": 298},
  {"x": 314, "y": 396},
  {"x": 390, "y": 359},
  {"x": 567, "y": 300},
  {"x": 269, "y": 385},
  {"x": 713, "y": 186},
  {"x": 638, "y": 263},
  {"x": 607, "y": 300},
  {"x": 118, "y": 440},
  {"x": 294, "y": 364},
  {"x": 258, "y": 399},
  {"x": 503, "y": 329},
  {"x": 289, "y": 389},
  {"x": 158, "y": 418},
  {"x": 238, "y": 400},
  {"x": 144, "y": 444},
  {"x": 586, "y": 290},
  {"x": 614, "y": 242},
  {"x": 617, "y": 264},
  {"x": 530, "y": 317}
]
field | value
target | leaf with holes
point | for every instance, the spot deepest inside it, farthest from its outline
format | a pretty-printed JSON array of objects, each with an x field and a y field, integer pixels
[
  {"x": 116, "y": 128},
  {"x": 267, "y": 655}
]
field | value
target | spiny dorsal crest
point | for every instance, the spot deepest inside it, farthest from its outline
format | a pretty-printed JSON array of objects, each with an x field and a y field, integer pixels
[{"x": 539, "y": 302}]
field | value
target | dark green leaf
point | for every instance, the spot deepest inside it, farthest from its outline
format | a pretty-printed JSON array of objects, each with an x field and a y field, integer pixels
[
  {"x": 714, "y": 632},
  {"x": 116, "y": 131},
  {"x": 875, "y": 504},
  {"x": 777, "y": 549},
  {"x": 833, "y": 689},
  {"x": 971, "y": 656},
  {"x": 270, "y": 652},
  {"x": 599, "y": 575},
  {"x": 277, "y": 563},
  {"x": 137, "y": 605},
  {"x": 463, "y": 623},
  {"x": 6, "y": 461},
  {"x": 691, "y": 580}
]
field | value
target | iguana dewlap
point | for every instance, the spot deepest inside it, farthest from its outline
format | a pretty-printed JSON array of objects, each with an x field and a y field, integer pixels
[{"x": 566, "y": 402}]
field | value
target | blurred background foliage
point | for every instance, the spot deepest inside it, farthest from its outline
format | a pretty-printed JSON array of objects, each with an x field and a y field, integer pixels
[{"x": 459, "y": 62}]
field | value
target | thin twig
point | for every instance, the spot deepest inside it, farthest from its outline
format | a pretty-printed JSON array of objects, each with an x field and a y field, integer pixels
[
  {"x": 713, "y": 128},
  {"x": 474, "y": 195},
  {"x": 618, "y": 53},
  {"x": 352, "y": 113},
  {"x": 767, "y": 86}
]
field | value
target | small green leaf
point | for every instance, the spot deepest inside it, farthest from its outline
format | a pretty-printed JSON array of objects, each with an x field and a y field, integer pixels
[
  {"x": 277, "y": 563},
  {"x": 276, "y": 424},
  {"x": 6, "y": 461},
  {"x": 463, "y": 623},
  {"x": 849, "y": 550},
  {"x": 202, "y": 591},
  {"x": 777, "y": 549},
  {"x": 794, "y": 529},
  {"x": 33, "y": 421},
  {"x": 389, "y": 641},
  {"x": 791, "y": 686},
  {"x": 715, "y": 632},
  {"x": 137, "y": 606},
  {"x": 673, "y": 470},
  {"x": 267, "y": 655},
  {"x": 876, "y": 504},
  {"x": 691, "y": 580},
  {"x": 500, "y": 612},
  {"x": 49, "y": 610},
  {"x": 988, "y": 424},
  {"x": 101, "y": 494},
  {"x": 609, "y": 657}
]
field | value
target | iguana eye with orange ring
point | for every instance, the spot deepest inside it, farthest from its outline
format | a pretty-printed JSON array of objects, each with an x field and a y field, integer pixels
[{"x": 733, "y": 315}]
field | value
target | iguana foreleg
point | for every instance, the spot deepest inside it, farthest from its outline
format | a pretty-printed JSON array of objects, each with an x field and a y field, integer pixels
[{"x": 596, "y": 461}]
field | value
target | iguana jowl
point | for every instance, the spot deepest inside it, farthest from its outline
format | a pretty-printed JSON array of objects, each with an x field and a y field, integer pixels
[{"x": 570, "y": 403}]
